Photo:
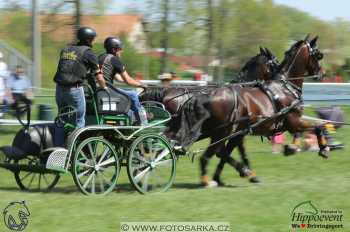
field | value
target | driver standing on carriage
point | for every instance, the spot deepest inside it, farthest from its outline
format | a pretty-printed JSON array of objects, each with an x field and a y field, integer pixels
[
  {"x": 76, "y": 62},
  {"x": 112, "y": 68}
]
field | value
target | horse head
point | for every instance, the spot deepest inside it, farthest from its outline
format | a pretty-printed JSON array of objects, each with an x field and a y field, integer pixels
[
  {"x": 260, "y": 67},
  {"x": 302, "y": 58}
]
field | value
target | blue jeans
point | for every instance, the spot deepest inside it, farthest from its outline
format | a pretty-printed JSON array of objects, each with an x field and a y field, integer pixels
[
  {"x": 136, "y": 106},
  {"x": 135, "y": 102},
  {"x": 71, "y": 96}
]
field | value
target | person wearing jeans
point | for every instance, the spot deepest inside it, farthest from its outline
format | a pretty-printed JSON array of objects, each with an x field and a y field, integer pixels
[
  {"x": 112, "y": 68},
  {"x": 72, "y": 96},
  {"x": 76, "y": 61}
]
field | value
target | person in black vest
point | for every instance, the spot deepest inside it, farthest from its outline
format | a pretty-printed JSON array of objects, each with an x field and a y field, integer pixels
[
  {"x": 113, "y": 69},
  {"x": 76, "y": 62}
]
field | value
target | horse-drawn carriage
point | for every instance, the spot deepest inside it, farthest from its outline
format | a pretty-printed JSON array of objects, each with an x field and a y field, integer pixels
[
  {"x": 94, "y": 154},
  {"x": 225, "y": 114}
]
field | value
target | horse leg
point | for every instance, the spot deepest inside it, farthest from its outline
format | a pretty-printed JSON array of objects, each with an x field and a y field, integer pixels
[
  {"x": 242, "y": 151},
  {"x": 218, "y": 172},
  {"x": 242, "y": 169},
  {"x": 322, "y": 142},
  {"x": 298, "y": 125},
  {"x": 204, "y": 160}
]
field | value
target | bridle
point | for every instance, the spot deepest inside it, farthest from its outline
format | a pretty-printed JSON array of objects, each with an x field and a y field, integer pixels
[{"x": 313, "y": 54}]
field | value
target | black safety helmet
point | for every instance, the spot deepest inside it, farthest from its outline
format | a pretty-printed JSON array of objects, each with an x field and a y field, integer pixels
[
  {"x": 112, "y": 42},
  {"x": 86, "y": 34}
]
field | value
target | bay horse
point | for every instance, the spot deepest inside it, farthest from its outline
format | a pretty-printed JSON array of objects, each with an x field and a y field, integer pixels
[
  {"x": 264, "y": 111},
  {"x": 259, "y": 68}
]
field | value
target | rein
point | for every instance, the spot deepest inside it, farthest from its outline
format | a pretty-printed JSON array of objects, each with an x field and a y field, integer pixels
[
  {"x": 184, "y": 93},
  {"x": 248, "y": 130}
]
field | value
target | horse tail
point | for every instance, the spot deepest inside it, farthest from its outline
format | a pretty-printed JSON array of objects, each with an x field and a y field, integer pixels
[{"x": 154, "y": 94}]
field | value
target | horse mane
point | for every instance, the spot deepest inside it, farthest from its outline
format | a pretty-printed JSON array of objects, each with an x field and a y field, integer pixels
[
  {"x": 241, "y": 76},
  {"x": 288, "y": 53}
]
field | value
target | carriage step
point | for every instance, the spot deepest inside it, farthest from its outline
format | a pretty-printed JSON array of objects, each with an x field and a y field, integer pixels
[{"x": 57, "y": 160}]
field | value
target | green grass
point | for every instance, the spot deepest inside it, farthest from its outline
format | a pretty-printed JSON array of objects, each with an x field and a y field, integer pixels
[{"x": 286, "y": 181}]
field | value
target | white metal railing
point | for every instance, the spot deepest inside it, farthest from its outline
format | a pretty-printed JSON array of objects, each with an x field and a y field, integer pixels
[
  {"x": 13, "y": 58},
  {"x": 327, "y": 93}
]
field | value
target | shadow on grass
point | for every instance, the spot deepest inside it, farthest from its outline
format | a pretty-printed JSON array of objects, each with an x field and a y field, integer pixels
[
  {"x": 199, "y": 186},
  {"x": 120, "y": 188}
]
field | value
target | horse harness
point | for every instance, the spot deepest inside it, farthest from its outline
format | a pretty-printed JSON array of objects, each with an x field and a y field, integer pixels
[{"x": 279, "y": 110}]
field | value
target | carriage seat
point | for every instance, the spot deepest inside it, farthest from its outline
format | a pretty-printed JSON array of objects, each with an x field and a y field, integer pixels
[{"x": 112, "y": 101}]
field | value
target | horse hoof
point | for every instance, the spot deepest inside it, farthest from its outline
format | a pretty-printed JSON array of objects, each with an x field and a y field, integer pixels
[
  {"x": 219, "y": 182},
  {"x": 289, "y": 150},
  {"x": 324, "y": 153},
  {"x": 254, "y": 179},
  {"x": 245, "y": 172},
  {"x": 212, "y": 184}
]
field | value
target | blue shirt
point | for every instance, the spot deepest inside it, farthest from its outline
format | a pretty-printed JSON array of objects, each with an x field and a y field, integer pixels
[{"x": 18, "y": 84}]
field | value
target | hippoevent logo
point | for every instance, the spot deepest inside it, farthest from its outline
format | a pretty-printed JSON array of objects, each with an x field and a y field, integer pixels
[
  {"x": 306, "y": 215},
  {"x": 16, "y": 216}
]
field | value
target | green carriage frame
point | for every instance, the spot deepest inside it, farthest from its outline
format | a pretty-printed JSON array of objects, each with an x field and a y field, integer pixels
[{"x": 95, "y": 154}]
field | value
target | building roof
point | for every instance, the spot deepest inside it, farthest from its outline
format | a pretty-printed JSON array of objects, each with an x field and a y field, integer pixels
[
  {"x": 60, "y": 26},
  {"x": 195, "y": 61}
]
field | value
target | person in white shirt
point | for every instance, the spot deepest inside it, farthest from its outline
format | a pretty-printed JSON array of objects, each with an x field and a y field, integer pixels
[{"x": 19, "y": 88}]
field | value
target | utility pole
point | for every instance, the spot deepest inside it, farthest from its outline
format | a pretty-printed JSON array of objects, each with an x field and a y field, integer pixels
[
  {"x": 221, "y": 55},
  {"x": 210, "y": 33},
  {"x": 165, "y": 36},
  {"x": 36, "y": 44},
  {"x": 77, "y": 15}
]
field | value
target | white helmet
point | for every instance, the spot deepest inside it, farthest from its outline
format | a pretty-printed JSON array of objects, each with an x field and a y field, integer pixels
[{"x": 1, "y": 55}]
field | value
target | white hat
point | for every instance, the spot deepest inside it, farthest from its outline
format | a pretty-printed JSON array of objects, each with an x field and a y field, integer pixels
[{"x": 164, "y": 76}]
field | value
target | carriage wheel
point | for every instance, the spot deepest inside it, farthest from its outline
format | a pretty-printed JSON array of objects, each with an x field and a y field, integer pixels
[
  {"x": 151, "y": 164},
  {"x": 33, "y": 181},
  {"x": 95, "y": 166}
]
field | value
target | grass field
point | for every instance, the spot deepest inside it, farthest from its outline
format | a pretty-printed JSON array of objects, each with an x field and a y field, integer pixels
[{"x": 286, "y": 181}]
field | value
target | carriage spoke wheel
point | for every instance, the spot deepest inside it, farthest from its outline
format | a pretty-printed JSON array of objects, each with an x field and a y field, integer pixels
[
  {"x": 151, "y": 164},
  {"x": 95, "y": 166},
  {"x": 33, "y": 181}
]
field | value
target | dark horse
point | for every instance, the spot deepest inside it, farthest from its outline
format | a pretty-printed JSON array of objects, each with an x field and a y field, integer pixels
[
  {"x": 272, "y": 107},
  {"x": 260, "y": 67}
]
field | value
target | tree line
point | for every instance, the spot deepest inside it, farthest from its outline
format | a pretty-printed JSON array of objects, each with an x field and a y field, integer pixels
[
  {"x": 232, "y": 30},
  {"x": 229, "y": 31}
]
